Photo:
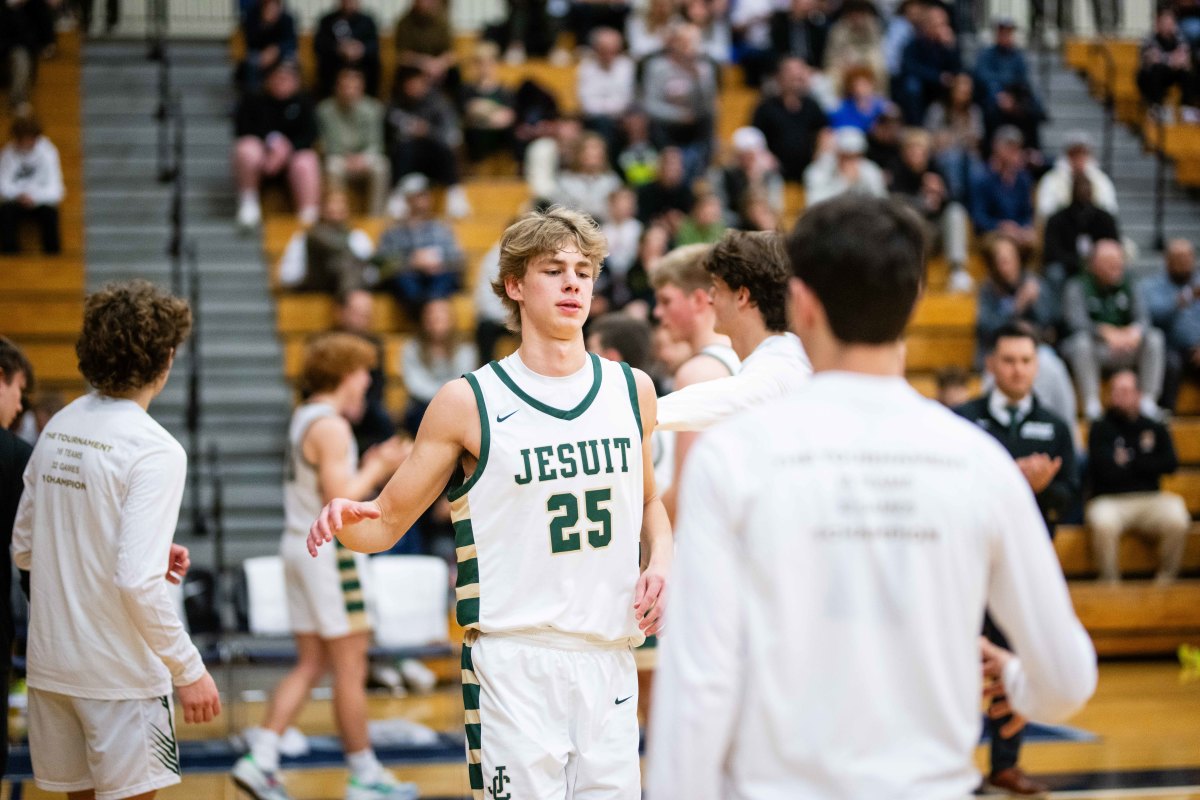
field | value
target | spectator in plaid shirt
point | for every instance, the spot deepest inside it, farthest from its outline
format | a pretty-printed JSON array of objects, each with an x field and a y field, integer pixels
[{"x": 420, "y": 256}]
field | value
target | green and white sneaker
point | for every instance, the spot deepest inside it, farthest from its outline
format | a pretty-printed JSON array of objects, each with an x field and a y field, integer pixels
[
  {"x": 256, "y": 781},
  {"x": 385, "y": 787}
]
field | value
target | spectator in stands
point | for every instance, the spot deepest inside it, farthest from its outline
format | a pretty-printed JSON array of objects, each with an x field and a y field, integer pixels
[
  {"x": 884, "y": 138},
  {"x": 486, "y": 106},
  {"x": 637, "y": 158},
  {"x": 953, "y": 390},
  {"x": 1072, "y": 233},
  {"x": 112, "y": 15},
  {"x": 31, "y": 185},
  {"x": 647, "y": 30},
  {"x": 928, "y": 65},
  {"x": 679, "y": 92},
  {"x": 346, "y": 37},
  {"x": 605, "y": 82},
  {"x": 491, "y": 317},
  {"x": 588, "y": 180},
  {"x": 792, "y": 121},
  {"x": 1109, "y": 328},
  {"x": 1187, "y": 14},
  {"x": 956, "y": 123},
  {"x": 1012, "y": 293},
  {"x": 433, "y": 358},
  {"x": 420, "y": 256},
  {"x": 861, "y": 101},
  {"x": 750, "y": 21},
  {"x": 424, "y": 39},
  {"x": 918, "y": 182},
  {"x": 549, "y": 155},
  {"x": 1042, "y": 446},
  {"x": 1128, "y": 454},
  {"x": 423, "y": 135},
  {"x": 856, "y": 42},
  {"x": 1166, "y": 61},
  {"x": 355, "y": 313},
  {"x": 800, "y": 32},
  {"x": 655, "y": 243},
  {"x": 536, "y": 114},
  {"x": 1173, "y": 300},
  {"x": 1056, "y": 189},
  {"x": 1001, "y": 200},
  {"x": 585, "y": 17},
  {"x": 1002, "y": 78},
  {"x": 623, "y": 232},
  {"x": 842, "y": 168},
  {"x": 757, "y": 214},
  {"x": 331, "y": 256},
  {"x": 706, "y": 223},
  {"x": 269, "y": 32},
  {"x": 351, "y": 129},
  {"x": 901, "y": 29},
  {"x": 668, "y": 197},
  {"x": 532, "y": 28},
  {"x": 709, "y": 18},
  {"x": 21, "y": 44},
  {"x": 276, "y": 132},
  {"x": 753, "y": 171}
]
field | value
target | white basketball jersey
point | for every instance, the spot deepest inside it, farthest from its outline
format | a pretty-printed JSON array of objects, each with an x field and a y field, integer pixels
[
  {"x": 547, "y": 526},
  {"x": 302, "y": 502},
  {"x": 725, "y": 354}
]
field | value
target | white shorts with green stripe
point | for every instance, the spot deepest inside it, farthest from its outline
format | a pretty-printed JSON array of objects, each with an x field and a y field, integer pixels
[
  {"x": 326, "y": 595},
  {"x": 545, "y": 719}
]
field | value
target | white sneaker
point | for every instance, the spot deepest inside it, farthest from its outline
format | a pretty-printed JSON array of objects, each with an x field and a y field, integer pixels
[
  {"x": 419, "y": 677},
  {"x": 385, "y": 787},
  {"x": 560, "y": 57},
  {"x": 387, "y": 677},
  {"x": 1189, "y": 115},
  {"x": 515, "y": 55},
  {"x": 961, "y": 281},
  {"x": 457, "y": 204},
  {"x": 256, "y": 781},
  {"x": 1093, "y": 411},
  {"x": 1149, "y": 408},
  {"x": 308, "y": 216},
  {"x": 249, "y": 214}
]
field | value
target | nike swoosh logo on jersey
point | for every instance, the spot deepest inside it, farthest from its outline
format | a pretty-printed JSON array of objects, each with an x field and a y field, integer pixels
[
  {"x": 506, "y": 416},
  {"x": 623, "y": 700}
]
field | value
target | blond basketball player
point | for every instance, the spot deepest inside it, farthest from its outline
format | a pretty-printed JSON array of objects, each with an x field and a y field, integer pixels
[
  {"x": 558, "y": 497},
  {"x": 94, "y": 527},
  {"x": 325, "y": 596},
  {"x": 837, "y": 550},
  {"x": 684, "y": 307},
  {"x": 749, "y": 274}
]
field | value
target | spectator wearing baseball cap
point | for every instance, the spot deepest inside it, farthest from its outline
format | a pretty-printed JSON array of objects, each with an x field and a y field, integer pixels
[
  {"x": 842, "y": 167},
  {"x": 751, "y": 172}
]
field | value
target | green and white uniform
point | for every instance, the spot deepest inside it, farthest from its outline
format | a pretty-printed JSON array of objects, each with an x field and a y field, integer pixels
[
  {"x": 547, "y": 529},
  {"x": 326, "y": 594}
]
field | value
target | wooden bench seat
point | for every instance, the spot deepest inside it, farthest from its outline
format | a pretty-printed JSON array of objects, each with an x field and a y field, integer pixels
[
  {"x": 1139, "y": 557},
  {"x": 1138, "y": 618}
]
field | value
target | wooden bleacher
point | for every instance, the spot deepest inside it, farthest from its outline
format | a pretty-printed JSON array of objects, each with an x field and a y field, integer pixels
[{"x": 41, "y": 297}]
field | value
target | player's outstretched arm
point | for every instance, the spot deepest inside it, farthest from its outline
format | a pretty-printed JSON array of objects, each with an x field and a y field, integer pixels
[
  {"x": 658, "y": 545},
  {"x": 450, "y": 426}
]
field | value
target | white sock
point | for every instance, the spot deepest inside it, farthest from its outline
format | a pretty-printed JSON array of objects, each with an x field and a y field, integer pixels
[
  {"x": 364, "y": 766},
  {"x": 265, "y": 750},
  {"x": 248, "y": 196}
]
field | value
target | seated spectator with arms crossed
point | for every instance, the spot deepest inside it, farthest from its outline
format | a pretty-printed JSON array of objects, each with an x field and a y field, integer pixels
[{"x": 31, "y": 185}]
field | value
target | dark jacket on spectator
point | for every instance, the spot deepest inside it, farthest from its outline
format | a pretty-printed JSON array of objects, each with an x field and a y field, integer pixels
[
  {"x": 1040, "y": 431},
  {"x": 261, "y": 115},
  {"x": 654, "y": 200},
  {"x": 1063, "y": 232},
  {"x": 334, "y": 27},
  {"x": 1147, "y": 445},
  {"x": 994, "y": 200},
  {"x": 998, "y": 69},
  {"x": 791, "y": 135},
  {"x": 804, "y": 38},
  {"x": 281, "y": 34},
  {"x": 927, "y": 60}
]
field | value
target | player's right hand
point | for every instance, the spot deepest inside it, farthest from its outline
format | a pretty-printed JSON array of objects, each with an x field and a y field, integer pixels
[
  {"x": 336, "y": 514},
  {"x": 200, "y": 700}
]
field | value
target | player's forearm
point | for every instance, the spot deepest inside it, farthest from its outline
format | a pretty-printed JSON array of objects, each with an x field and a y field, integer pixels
[
  {"x": 371, "y": 535},
  {"x": 658, "y": 543},
  {"x": 1051, "y": 686},
  {"x": 149, "y": 607}
]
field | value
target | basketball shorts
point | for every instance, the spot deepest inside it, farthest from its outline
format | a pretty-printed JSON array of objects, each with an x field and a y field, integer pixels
[
  {"x": 120, "y": 748},
  {"x": 549, "y": 718},
  {"x": 326, "y": 594}
]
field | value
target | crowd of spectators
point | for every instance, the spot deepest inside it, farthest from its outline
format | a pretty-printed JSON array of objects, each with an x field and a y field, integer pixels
[{"x": 875, "y": 98}]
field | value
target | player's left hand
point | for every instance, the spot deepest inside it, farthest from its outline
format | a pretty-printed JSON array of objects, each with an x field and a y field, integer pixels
[
  {"x": 649, "y": 600},
  {"x": 177, "y": 564}
]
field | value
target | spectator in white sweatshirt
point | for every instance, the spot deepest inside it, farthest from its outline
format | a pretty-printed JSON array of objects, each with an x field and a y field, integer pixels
[
  {"x": 31, "y": 185},
  {"x": 605, "y": 83}
]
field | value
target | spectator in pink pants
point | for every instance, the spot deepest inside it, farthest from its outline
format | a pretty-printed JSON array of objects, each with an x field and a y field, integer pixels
[{"x": 276, "y": 131}]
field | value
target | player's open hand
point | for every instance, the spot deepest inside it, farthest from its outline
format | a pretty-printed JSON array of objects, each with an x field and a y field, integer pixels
[
  {"x": 178, "y": 564},
  {"x": 649, "y": 600},
  {"x": 200, "y": 700},
  {"x": 337, "y": 514}
]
